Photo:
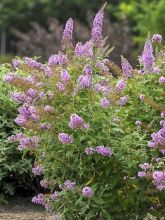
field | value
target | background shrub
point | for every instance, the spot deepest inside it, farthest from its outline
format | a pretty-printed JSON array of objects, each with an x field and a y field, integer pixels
[{"x": 144, "y": 16}]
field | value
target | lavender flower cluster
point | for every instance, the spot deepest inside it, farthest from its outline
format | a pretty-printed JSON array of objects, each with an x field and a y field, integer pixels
[
  {"x": 102, "y": 150},
  {"x": 76, "y": 122},
  {"x": 102, "y": 88},
  {"x": 159, "y": 179},
  {"x": 120, "y": 85},
  {"x": 65, "y": 138},
  {"x": 25, "y": 142},
  {"x": 157, "y": 38},
  {"x": 97, "y": 28},
  {"x": 39, "y": 199},
  {"x": 44, "y": 200},
  {"x": 123, "y": 100},
  {"x": 158, "y": 138},
  {"x": 127, "y": 68},
  {"x": 37, "y": 170},
  {"x": 67, "y": 34},
  {"x": 162, "y": 80},
  {"x": 84, "y": 50},
  {"x": 147, "y": 59},
  {"x": 58, "y": 59},
  {"x": 158, "y": 141}
]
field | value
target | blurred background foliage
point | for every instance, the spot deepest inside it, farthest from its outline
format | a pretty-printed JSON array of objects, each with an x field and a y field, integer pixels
[{"x": 35, "y": 27}]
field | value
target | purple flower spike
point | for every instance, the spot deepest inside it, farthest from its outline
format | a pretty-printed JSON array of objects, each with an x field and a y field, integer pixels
[
  {"x": 29, "y": 142},
  {"x": 65, "y": 76},
  {"x": 141, "y": 174},
  {"x": 123, "y": 100},
  {"x": 126, "y": 67},
  {"x": 162, "y": 80},
  {"x": 151, "y": 144},
  {"x": 87, "y": 70},
  {"x": 67, "y": 34},
  {"x": 9, "y": 77},
  {"x": 157, "y": 38},
  {"x": 32, "y": 93},
  {"x": 69, "y": 184},
  {"x": 54, "y": 196},
  {"x": 16, "y": 137},
  {"x": 87, "y": 191},
  {"x": 120, "y": 85},
  {"x": 76, "y": 122},
  {"x": 45, "y": 126},
  {"x": 104, "y": 151},
  {"x": 84, "y": 81},
  {"x": 49, "y": 109},
  {"x": 60, "y": 86},
  {"x": 85, "y": 50},
  {"x": 38, "y": 170},
  {"x": 18, "y": 96},
  {"x": 16, "y": 63},
  {"x": 32, "y": 63},
  {"x": 147, "y": 58},
  {"x": 65, "y": 138},
  {"x": 102, "y": 67},
  {"x": 39, "y": 199},
  {"x": 105, "y": 103},
  {"x": 159, "y": 179},
  {"x": 53, "y": 60},
  {"x": 144, "y": 166},
  {"x": 62, "y": 59},
  {"x": 97, "y": 28},
  {"x": 20, "y": 120},
  {"x": 47, "y": 71}
]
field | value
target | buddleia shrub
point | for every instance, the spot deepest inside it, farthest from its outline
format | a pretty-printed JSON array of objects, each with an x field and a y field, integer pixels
[
  {"x": 14, "y": 170},
  {"x": 88, "y": 124}
]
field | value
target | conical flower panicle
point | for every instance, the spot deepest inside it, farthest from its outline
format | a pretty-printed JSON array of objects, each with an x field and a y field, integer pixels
[
  {"x": 147, "y": 58},
  {"x": 126, "y": 67},
  {"x": 67, "y": 34},
  {"x": 97, "y": 27}
]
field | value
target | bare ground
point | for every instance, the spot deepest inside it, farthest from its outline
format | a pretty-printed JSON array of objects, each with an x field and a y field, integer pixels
[{"x": 22, "y": 209}]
